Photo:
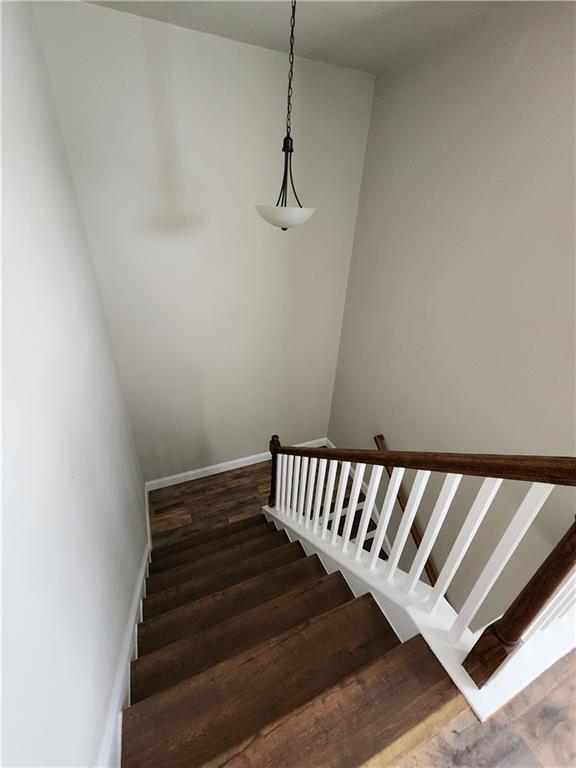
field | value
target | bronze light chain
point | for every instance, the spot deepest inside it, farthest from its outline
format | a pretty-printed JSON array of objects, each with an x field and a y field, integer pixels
[{"x": 288, "y": 144}]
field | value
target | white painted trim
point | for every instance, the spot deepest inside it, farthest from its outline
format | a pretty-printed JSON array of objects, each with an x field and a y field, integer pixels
[
  {"x": 148, "y": 528},
  {"x": 224, "y": 466},
  {"x": 109, "y": 750}
]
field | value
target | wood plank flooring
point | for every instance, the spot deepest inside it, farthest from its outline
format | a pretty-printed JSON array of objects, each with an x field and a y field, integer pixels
[
  {"x": 209, "y": 502},
  {"x": 537, "y": 729}
]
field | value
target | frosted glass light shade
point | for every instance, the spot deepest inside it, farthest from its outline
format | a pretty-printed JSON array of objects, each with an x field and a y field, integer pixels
[{"x": 284, "y": 217}]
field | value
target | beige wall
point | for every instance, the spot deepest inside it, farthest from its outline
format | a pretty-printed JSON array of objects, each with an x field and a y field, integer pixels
[
  {"x": 73, "y": 521},
  {"x": 225, "y": 329},
  {"x": 459, "y": 327}
]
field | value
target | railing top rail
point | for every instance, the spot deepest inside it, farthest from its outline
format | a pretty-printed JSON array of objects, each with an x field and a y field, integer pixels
[{"x": 558, "y": 470}]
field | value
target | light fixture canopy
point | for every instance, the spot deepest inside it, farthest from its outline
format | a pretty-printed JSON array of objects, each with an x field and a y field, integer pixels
[{"x": 283, "y": 215}]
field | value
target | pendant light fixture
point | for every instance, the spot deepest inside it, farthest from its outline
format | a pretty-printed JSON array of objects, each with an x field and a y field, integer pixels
[{"x": 283, "y": 215}]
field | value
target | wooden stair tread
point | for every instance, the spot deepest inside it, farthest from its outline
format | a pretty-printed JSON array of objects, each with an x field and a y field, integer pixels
[
  {"x": 177, "y": 661},
  {"x": 214, "y": 561},
  {"x": 186, "y": 540},
  {"x": 195, "y": 720},
  {"x": 220, "y": 605},
  {"x": 197, "y": 551},
  {"x": 194, "y": 589},
  {"x": 353, "y": 723}
]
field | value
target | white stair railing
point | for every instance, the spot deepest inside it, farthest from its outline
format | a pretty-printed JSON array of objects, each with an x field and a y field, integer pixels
[{"x": 318, "y": 493}]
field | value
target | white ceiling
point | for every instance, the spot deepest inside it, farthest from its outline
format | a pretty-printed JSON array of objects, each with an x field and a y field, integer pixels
[{"x": 371, "y": 36}]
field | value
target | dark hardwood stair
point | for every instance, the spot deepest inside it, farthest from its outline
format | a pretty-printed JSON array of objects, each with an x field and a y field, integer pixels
[
  {"x": 250, "y": 655},
  {"x": 189, "y": 656},
  {"x": 195, "y": 551},
  {"x": 215, "y": 560},
  {"x": 183, "y": 593},
  {"x": 181, "y": 539},
  {"x": 198, "y": 718},
  {"x": 215, "y": 607},
  {"x": 354, "y": 720}
]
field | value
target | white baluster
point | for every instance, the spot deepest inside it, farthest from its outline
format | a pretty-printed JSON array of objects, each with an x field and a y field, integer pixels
[
  {"x": 289, "y": 484},
  {"x": 371, "y": 492},
  {"x": 295, "y": 486},
  {"x": 407, "y": 519},
  {"x": 553, "y": 607},
  {"x": 437, "y": 517},
  {"x": 328, "y": 496},
  {"x": 512, "y": 536},
  {"x": 568, "y": 604},
  {"x": 310, "y": 493},
  {"x": 386, "y": 514},
  {"x": 302, "y": 489},
  {"x": 344, "y": 472},
  {"x": 319, "y": 491},
  {"x": 278, "y": 482},
  {"x": 473, "y": 520},
  {"x": 284, "y": 466},
  {"x": 352, "y": 504}
]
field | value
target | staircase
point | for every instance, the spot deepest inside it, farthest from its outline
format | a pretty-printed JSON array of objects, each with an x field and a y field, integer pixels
[{"x": 251, "y": 654}]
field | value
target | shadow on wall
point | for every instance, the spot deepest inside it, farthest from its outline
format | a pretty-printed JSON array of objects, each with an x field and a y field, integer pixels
[{"x": 177, "y": 211}]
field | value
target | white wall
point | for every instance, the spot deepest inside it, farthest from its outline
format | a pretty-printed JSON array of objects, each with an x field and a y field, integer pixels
[
  {"x": 226, "y": 330},
  {"x": 73, "y": 524},
  {"x": 459, "y": 328}
]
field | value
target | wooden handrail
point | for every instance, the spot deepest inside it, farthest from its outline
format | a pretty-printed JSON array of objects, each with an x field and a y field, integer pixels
[
  {"x": 557, "y": 470},
  {"x": 402, "y": 501},
  {"x": 504, "y": 637}
]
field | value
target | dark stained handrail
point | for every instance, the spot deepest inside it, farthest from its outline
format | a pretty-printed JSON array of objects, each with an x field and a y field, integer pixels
[
  {"x": 503, "y": 638},
  {"x": 558, "y": 470}
]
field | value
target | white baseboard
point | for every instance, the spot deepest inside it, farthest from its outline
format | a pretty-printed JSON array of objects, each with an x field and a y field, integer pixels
[
  {"x": 109, "y": 751},
  {"x": 225, "y": 466}
]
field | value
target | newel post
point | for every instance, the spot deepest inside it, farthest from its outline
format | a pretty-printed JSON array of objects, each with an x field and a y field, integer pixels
[
  {"x": 274, "y": 445},
  {"x": 504, "y": 637}
]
